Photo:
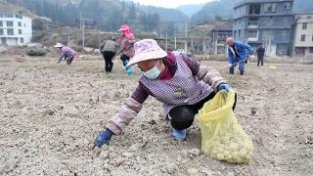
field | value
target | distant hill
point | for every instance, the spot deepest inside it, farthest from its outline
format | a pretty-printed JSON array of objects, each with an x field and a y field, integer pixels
[
  {"x": 223, "y": 9},
  {"x": 190, "y": 9},
  {"x": 107, "y": 15},
  {"x": 166, "y": 14},
  {"x": 8, "y": 7},
  {"x": 220, "y": 10}
]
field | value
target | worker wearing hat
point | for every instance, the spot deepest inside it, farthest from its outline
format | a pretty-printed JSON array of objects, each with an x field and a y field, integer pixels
[
  {"x": 66, "y": 52},
  {"x": 126, "y": 41},
  {"x": 177, "y": 80}
]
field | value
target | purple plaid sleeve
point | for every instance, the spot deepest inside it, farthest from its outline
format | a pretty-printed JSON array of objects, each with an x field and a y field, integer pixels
[{"x": 141, "y": 93}]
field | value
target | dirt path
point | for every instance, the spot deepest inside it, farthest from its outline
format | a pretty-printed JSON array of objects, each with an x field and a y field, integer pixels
[{"x": 50, "y": 112}]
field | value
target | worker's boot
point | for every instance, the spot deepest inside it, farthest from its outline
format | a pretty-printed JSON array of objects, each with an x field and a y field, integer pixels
[
  {"x": 179, "y": 135},
  {"x": 231, "y": 70},
  {"x": 242, "y": 72}
]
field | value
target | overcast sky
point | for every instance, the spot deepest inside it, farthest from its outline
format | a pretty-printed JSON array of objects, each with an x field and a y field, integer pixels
[{"x": 170, "y": 3}]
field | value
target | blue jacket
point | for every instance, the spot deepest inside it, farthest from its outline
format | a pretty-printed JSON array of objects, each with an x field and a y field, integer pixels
[{"x": 243, "y": 51}]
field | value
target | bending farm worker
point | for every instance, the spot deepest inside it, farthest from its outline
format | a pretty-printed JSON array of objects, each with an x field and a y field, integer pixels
[
  {"x": 177, "y": 80},
  {"x": 108, "y": 49},
  {"x": 237, "y": 54},
  {"x": 126, "y": 40},
  {"x": 66, "y": 52}
]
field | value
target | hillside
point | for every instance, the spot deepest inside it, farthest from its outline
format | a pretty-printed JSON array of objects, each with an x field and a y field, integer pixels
[
  {"x": 166, "y": 14},
  {"x": 223, "y": 9},
  {"x": 190, "y": 9},
  {"x": 107, "y": 15},
  {"x": 8, "y": 7}
]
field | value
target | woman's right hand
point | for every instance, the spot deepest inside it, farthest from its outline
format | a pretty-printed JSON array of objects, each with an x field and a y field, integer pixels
[{"x": 104, "y": 137}]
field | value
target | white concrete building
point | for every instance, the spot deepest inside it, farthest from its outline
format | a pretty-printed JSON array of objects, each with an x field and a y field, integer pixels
[
  {"x": 303, "y": 41},
  {"x": 15, "y": 29}
]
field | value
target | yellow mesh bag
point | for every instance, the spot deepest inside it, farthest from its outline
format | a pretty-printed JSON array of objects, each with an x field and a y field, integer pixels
[{"x": 222, "y": 136}]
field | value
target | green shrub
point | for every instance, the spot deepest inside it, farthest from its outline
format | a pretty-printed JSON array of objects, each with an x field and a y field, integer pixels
[{"x": 37, "y": 52}]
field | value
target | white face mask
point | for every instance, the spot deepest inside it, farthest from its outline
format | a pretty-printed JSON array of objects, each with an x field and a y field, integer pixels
[{"x": 153, "y": 73}]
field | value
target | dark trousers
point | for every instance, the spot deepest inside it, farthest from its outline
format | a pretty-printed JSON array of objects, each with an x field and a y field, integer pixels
[
  {"x": 69, "y": 60},
  {"x": 124, "y": 58},
  {"x": 108, "y": 56},
  {"x": 182, "y": 116},
  {"x": 260, "y": 60}
]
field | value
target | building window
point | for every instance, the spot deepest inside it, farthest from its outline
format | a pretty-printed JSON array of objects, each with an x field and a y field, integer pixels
[
  {"x": 286, "y": 20},
  {"x": 22, "y": 40},
  {"x": 20, "y": 31},
  {"x": 254, "y": 9},
  {"x": 304, "y": 25},
  {"x": 252, "y": 33},
  {"x": 10, "y": 31},
  {"x": 283, "y": 34},
  {"x": 1, "y": 31},
  {"x": 312, "y": 38},
  {"x": 302, "y": 38},
  {"x": 1, "y": 24},
  {"x": 311, "y": 49},
  {"x": 18, "y": 16},
  {"x": 253, "y": 21},
  {"x": 300, "y": 50},
  {"x": 287, "y": 5},
  {"x": 9, "y": 15},
  {"x": 239, "y": 33},
  {"x": 9, "y": 23},
  {"x": 270, "y": 7},
  {"x": 19, "y": 24}
]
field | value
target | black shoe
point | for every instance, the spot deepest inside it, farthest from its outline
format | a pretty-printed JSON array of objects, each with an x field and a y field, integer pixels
[
  {"x": 241, "y": 72},
  {"x": 231, "y": 70}
]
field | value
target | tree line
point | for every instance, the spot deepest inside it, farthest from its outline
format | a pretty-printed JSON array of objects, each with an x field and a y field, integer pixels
[{"x": 106, "y": 15}]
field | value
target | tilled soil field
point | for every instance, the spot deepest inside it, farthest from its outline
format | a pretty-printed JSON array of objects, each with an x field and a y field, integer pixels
[{"x": 50, "y": 113}]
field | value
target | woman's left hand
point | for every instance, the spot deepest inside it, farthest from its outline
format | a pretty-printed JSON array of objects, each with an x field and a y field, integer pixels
[{"x": 224, "y": 86}]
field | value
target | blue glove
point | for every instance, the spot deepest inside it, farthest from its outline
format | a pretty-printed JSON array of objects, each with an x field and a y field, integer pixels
[
  {"x": 103, "y": 137},
  {"x": 129, "y": 71},
  {"x": 224, "y": 86}
]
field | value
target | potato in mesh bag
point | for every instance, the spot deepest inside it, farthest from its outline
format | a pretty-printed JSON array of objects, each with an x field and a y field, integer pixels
[{"x": 222, "y": 136}]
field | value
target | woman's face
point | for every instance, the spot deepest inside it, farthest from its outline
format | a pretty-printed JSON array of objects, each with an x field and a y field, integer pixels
[{"x": 149, "y": 64}]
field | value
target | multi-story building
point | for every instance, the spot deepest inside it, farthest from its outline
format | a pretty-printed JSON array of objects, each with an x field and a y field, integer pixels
[
  {"x": 219, "y": 35},
  {"x": 265, "y": 21},
  {"x": 303, "y": 38},
  {"x": 15, "y": 29}
]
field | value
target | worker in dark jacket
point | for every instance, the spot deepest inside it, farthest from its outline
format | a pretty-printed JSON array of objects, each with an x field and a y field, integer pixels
[
  {"x": 260, "y": 54},
  {"x": 108, "y": 49}
]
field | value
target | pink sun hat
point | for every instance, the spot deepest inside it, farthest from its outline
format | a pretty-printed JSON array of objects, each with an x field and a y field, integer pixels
[
  {"x": 127, "y": 31},
  {"x": 124, "y": 27},
  {"x": 146, "y": 49}
]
